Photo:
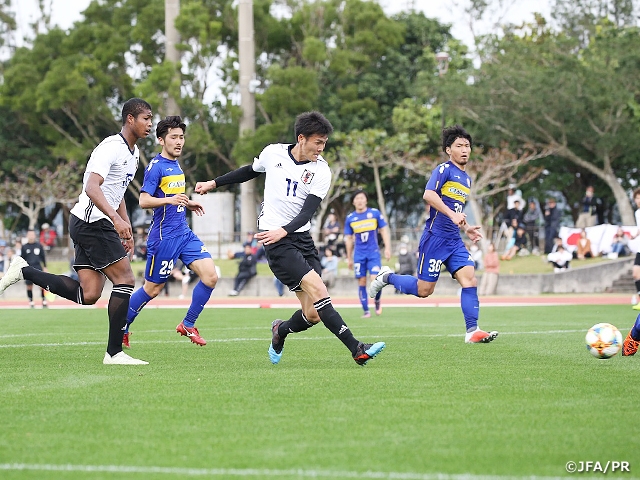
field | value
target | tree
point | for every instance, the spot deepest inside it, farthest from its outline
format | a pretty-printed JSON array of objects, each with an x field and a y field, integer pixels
[
  {"x": 32, "y": 189},
  {"x": 541, "y": 89}
]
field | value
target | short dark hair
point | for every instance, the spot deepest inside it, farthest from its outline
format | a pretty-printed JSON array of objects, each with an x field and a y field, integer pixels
[
  {"x": 312, "y": 123},
  {"x": 636, "y": 192},
  {"x": 358, "y": 192},
  {"x": 134, "y": 107},
  {"x": 450, "y": 134},
  {"x": 166, "y": 124}
]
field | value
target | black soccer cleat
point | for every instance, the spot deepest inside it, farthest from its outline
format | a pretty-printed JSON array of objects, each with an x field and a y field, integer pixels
[{"x": 366, "y": 351}]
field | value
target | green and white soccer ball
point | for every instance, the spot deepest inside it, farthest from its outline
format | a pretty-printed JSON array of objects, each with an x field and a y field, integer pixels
[{"x": 603, "y": 340}]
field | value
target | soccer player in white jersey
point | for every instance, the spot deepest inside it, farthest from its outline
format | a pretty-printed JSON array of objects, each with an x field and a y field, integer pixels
[
  {"x": 632, "y": 341},
  {"x": 297, "y": 179},
  {"x": 101, "y": 231}
]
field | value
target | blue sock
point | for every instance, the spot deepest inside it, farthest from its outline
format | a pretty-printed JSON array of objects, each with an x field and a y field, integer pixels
[
  {"x": 199, "y": 298},
  {"x": 364, "y": 299},
  {"x": 470, "y": 307},
  {"x": 635, "y": 331},
  {"x": 138, "y": 300},
  {"x": 407, "y": 284}
]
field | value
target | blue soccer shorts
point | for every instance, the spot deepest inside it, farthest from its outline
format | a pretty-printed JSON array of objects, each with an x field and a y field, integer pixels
[
  {"x": 436, "y": 251},
  {"x": 366, "y": 263},
  {"x": 163, "y": 255}
]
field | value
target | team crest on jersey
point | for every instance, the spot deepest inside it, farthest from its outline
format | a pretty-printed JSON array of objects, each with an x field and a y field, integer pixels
[{"x": 307, "y": 176}]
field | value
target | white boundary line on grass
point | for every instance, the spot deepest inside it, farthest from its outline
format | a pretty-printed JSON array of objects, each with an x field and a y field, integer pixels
[
  {"x": 338, "y": 303},
  {"x": 260, "y": 472},
  {"x": 260, "y": 339}
]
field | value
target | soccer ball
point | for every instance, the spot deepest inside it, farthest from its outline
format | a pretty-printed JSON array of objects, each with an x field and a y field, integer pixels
[{"x": 603, "y": 340}]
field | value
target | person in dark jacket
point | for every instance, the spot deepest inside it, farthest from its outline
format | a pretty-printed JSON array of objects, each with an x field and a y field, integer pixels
[
  {"x": 551, "y": 224},
  {"x": 246, "y": 270}
]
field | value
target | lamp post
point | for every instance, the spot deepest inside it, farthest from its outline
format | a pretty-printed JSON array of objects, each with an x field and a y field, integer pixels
[{"x": 443, "y": 65}]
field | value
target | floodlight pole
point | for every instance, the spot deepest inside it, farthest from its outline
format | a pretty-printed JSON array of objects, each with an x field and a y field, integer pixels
[
  {"x": 172, "y": 54},
  {"x": 247, "y": 58},
  {"x": 443, "y": 59}
]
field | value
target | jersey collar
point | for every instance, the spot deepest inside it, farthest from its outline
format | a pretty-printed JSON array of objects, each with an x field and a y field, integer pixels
[
  {"x": 294, "y": 159},
  {"x": 132, "y": 151}
]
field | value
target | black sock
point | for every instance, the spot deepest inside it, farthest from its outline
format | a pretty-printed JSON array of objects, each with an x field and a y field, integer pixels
[
  {"x": 61, "y": 285},
  {"x": 297, "y": 323},
  {"x": 118, "y": 308},
  {"x": 30, "y": 295},
  {"x": 637, "y": 282},
  {"x": 333, "y": 321}
]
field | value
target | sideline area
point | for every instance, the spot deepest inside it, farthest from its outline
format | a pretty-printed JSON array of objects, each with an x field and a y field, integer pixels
[{"x": 389, "y": 301}]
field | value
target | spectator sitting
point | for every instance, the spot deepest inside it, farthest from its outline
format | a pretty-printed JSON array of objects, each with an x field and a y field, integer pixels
[
  {"x": 619, "y": 245},
  {"x": 510, "y": 235},
  {"x": 246, "y": 270},
  {"x": 331, "y": 230},
  {"x": 514, "y": 213},
  {"x": 584, "y": 246},
  {"x": 47, "y": 236},
  {"x": 519, "y": 246},
  {"x": 329, "y": 268},
  {"x": 560, "y": 259}
]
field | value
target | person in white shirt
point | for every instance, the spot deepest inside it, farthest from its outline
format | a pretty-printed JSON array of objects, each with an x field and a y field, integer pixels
[
  {"x": 560, "y": 259},
  {"x": 101, "y": 231},
  {"x": 297, "y": 178}
]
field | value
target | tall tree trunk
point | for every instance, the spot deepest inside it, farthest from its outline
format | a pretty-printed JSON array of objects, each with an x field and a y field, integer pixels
[{"x": 382, "y": 206}]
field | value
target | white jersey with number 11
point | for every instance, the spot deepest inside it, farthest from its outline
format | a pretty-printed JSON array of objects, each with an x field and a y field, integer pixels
[{"x": 287, "y": 185}]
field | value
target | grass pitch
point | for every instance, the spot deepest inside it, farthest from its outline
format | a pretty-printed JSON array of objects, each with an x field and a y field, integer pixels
[{"x": 428, "y": 407}]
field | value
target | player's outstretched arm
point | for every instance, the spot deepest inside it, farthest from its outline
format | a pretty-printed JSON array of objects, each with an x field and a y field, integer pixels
[
  {"x": 203, "y": 187},
  {"x": 240, "y": 175}
]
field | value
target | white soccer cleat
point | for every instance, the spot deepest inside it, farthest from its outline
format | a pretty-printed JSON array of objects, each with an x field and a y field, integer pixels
[
  {"x": 122, "y": 358},
  {"x": 480, "y": 336},
  {"x": 14, "y": 273},
  {"x": 378, "y": 283}
]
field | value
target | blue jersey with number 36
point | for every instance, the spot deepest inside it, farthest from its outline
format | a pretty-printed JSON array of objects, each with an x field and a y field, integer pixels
[{"x": 453, "y": 186}]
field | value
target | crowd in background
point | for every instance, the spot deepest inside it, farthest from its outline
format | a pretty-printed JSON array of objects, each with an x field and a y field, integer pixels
[{"x": 526, "y": 228}]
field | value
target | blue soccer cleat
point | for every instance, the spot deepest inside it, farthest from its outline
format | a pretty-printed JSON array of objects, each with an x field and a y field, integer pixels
[
  {"x": 277, "y": 343},
  {"x": 366, "y": 351}
]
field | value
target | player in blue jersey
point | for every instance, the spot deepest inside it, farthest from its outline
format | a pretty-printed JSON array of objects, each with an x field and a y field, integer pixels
[
  {"x": 361, "y": 240},
  {"x": 446, "y": 194},
  {"x": 170, "y": 237}
]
